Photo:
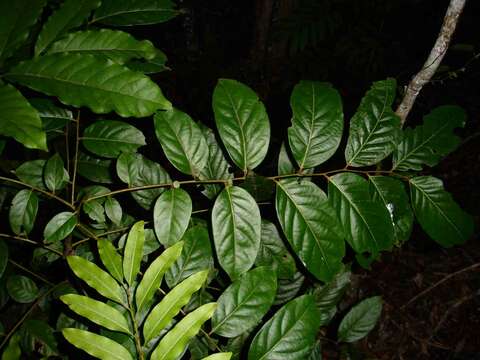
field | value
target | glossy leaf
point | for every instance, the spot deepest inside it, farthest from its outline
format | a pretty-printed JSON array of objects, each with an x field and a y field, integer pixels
[
  {"x": 97, "y": 312},
  {"x": 111, "y": 259},
  {"x": 31, "y": 172},
  {"x": 113, "y": 209},
  {"x": 243, "y": 304},
  {"x": 317, "y": 123},
  {"x": 287, "y": 289},
  {"x": 429, "y": 142},
  {"x": 23, "y": 211},
  {"x": 437, "y": 212},
  {"x": 176, "y": 340},
  {"x": 375, "y": 128},
  {"x": 242, "y": 123},
  {"x": 285, "y": 165},
  {"x": 102, "y": 85},
  {"x": 96, "y": 345},
  {"x": 164, "y": 312},
  {"x": 133, "y": 252},
  {"x": 360, "y": 320},
  {"x": 20, "y": 119},
  {"x": 290, "y": 333},
  {"x": 94, "y": 210},
  {"x": 152, "y": 66},
  {"x": 310, "y": 225},
  {"x": 236, "y": 229},
  {"x": 219, "y": 356},
  {"x": 59, "y": 227},
  {"x": 94, "y": 169},
  {"x": 71, "y": 14},
  {"x": 3, "y": 257},
  {"x": 53, "y": 117},
  {"x": 55, "y": 175},
  {"x": 22, "y": 289}
]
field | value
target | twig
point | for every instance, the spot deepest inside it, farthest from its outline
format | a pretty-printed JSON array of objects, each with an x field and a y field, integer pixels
[
  {"x": 28, "y": 241},
  {"x": 41, "y": 278},
  {"x": 75, "y": 159}
]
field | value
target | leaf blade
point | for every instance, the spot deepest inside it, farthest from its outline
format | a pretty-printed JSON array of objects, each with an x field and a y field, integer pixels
[
  {"x": 133, "y": 252},
  {"x": 360, "y": 320}
]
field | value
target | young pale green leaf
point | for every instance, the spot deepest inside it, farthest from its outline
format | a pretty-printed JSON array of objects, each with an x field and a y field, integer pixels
[
  {"x": 182, "y": 141},
  {"x": 94, "y": 210},
  {"x": 53, "y": 117},
  {"x": 94, "y": 169},
  {"x": 163, "y": 313},
  {"x": 428, "y": 143},
  {"x": 176, "y": 340},
  {"x": 97, "y": 312},
  {"x": 102, "y": 85},
  {"x": 310, "y": 225},
  {"x": 437, "y": 212},
  {"x": 219, "y": 356},
  {"x": 22, "y": 289},
  {"x": 23, "y": 211},
  {"x": 133, "y": 252},
  {"x": 171, "y": 215},
  {"x": 136, "y": 12},
  {"x": 59, "y": 227},
  {"x": 289, "y": 334},
  {"x": 392, "y": 194},
  {"x": 317, "y": 123},
  {"x": 71, "y": 14},
  {"x": 375, "y": 128},
  {"x": 236, "y": 226},
  {"x": 243, "y": 304},
  {"x": 55, "y": 175},
  {"x": 111, "y": 259},
  {"x": 113, "y": 209},
  {"x": 98, "y": 346},
  {"x": 109, "y": 138},
  {"x": 242, "y": 123},
  {"x": 152, "y": 278},
  {"x": 360, "y": 320},
  {"x": 31, "y": 172},
  {"x": 95, "y": 277},
  {"x": 3, "y": 257},
  {"x": 367, "y": 223},
  {"x": 19, "y": 119},
  {"x": 116, "y": 45}
]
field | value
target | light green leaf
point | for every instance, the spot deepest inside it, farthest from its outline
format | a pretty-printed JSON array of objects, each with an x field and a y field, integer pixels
[
  {"x": 171, "y": 215},
  {"x": 111, "y": 259},
  {"x": 310, "y": 225},
  {"x": 163, "y": 313},
  {"x": 94, "y": 169},
  {"x": 59, "y": 227},
  {"x": 317, "y": 123},
  {"x": 23, "y": 211},
  {"x": 31, "y": 172},
  {"x": 428, "y": 143},
  {"x": 113, "y": 209},
  {"x": 242, "y": 122},
  {"x": 219, "y": 356},
  {"x": 176, "y": 340},
  {"x": 22, "y": 289},
  {"x": 53, "y": 117},
  {"x": 243, "y": 304},
  {"x": 99, "y": 346},
  {"x": 71, "y": 14},
  {"x": 236, "y": 226},
  {"x": 95, "y": 277},
  {"x": 102, "y": 85},
  {"x": 133, "y": 252},
  {"x": 13, "y": 351},
  {"x": 19, "y": 119},
  {"x": 360, "y": 320},
  {"x": 290, "y": 333},
  {"x": 3, "y": 257},
  {"x": 55, "y": 175},
  {"x": 375, "y": 128},
  {"x": 94, "y": 210},
  {"x": 437, "y": 212}
]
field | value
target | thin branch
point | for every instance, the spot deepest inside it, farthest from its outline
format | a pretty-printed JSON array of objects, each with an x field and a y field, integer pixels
[
  {"x": 23, "y": 268},
  {"x": 28, "y": 241},
  {"x": 75, "y": 159}
]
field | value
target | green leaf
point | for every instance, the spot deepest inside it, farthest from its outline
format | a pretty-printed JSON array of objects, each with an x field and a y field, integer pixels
[
  {"x": 152, "y": 278},
  {"x": 109, "y": 138},
  {"x": 176, "y": 340},
  {"x": 171, "y": 215},
  {"x": 135, "y": 12},
  {"x": 94, "y": 169},
  {"x": 95, "y": 277},
  {"x": 31, "y": 172},
  {"x": 89, "y": 192},
  {"x": 367, "y": 223},
  {"x": 317, "y": 123},
  {"x": 219, "y": 356},
  {"x": 242, "y": 122},
  {"x": 113, "y": 209},
  {"x": 71, "y": 14},
  {"x": 152, "y": 66},
  {"x": 20, "y": 119},
  {"x": 285, "y": 165},
  {"x": 3, "y": 257},
  {"x": 437, "y": 212},
  {"x": 59, "y": 227},
  {"x": 94, "y": 210},
  {"x": 196, "y": 256},
  {"x": 290, "y": 333},
  {"x": 102, "y": 85},
  {"x": 53, "y": 117},
  {"x": 243, "y": 304},
  {"x": 99, "y": 346},
  {"x": 310, "y": 225},
  {"x": 97, "y": 312},
  {"x": 260, "y": 187},
  {"x": 116, "y": 45},
  {"x": 375, "y": 128},
  {"x": 360, "y": 320},
  {"x": 428, "y": 143},
  {"x": 110, "y": 258},
  {"x": 13, "y": 351},
  {"x": 43, "y": 334},
  {"x": 133, "y": 252},
  {"x": 287, "y": 289},
  {"x": 392, "y": 194},
  {"x": 163, "y": 313},
  {"x": 23, "y": 211},
  {"x": 182, "y": 141},
  {"x": 236, "y": 226},
  {"x": 55, "y": 175},
  {"x": 22, "y": 289}
]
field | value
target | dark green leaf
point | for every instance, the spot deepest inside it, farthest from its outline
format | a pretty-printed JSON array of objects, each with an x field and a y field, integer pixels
[
  {"x": 360, "y": 320},
  {"x": 285, "y": 165},
  {"x": 153, "y": 66},
  {"x": 3, "y": 257},
  {"x": 287, "y": 289},
  {"x": 53, "y": 117},
  {"x": 93, "y": 169},
  {"x": 13, "y": 351},
  {"x": 133, "y": 252},
  {"x": 43, "y": 333},
  {"x": 23, "y": 211},
  {"x": 55, "y": 175},
  {"x": 22, "y": 289},
  {"x": 89, "y": 192},
  {"x": 31, "y": 172},
  {"x": 260, "y": 187},
  {"x": 94, "y": 210},
  {"x": 110, "y": 258},
  {"x": 59, "y": 227},
  {"x": 113, "y": 210}
]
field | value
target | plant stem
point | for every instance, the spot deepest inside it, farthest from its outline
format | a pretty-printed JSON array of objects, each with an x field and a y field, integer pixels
[
  {"x": 75, "y": 159},
  {"x": 28, "y": 241},
  {"x": 41, "y": 278},
  {"x": 136, "y": 333}
]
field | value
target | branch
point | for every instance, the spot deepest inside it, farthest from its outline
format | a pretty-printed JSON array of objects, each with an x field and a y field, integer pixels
[{"x": 434, "y": 59}]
